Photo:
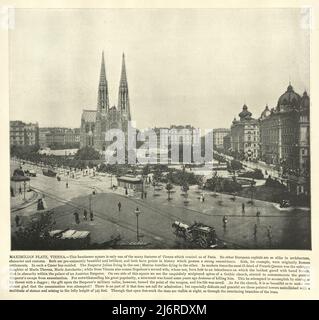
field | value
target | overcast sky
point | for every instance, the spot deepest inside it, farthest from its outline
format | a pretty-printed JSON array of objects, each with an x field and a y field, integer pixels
[{"x": 184, "y": 66}]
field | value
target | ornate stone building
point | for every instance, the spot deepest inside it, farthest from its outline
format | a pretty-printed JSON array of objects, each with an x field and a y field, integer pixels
[
  {"x": 95, "y": 123},
  {"x": 285, "y": 139},
  {"x": 218, "y": 137},
  {"x": 284, "y": 131},
  {"x": 24, "y": 134},
  {"x": 245, "y": 136}
]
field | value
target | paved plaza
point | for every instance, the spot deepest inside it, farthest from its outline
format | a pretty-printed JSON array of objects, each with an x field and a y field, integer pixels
[{"x": 290, "y": 227}]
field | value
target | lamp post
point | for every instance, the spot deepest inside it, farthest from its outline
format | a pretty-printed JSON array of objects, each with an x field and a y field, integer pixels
[
  {"x": 90, "y": 207},
  {"x": 143, "y": 178},
  {"x": 24, "y": 184},
  {"x": 137, "y": 213}
]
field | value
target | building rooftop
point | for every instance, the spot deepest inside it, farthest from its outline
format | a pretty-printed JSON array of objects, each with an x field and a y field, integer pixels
[{"x": 89, "y": 115}]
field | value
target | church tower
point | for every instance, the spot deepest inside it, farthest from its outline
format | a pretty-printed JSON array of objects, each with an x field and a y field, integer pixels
[
  {"x": 102, "y": 109},
  {"x": 123, "y": 100},
  {"x": 103, "y": 93},
  {"x": 95, "y": 123}
]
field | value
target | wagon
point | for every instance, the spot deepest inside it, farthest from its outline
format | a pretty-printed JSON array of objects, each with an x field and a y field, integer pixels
[
  {"x": 200, "y": 234},
  {"x": 69, "y": 239}
]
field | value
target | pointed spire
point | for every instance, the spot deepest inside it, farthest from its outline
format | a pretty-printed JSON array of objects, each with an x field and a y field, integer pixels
[
  {"x": 123, "y": 72},
  {"x": 102, "y": 72},
  {"x": 103, "y": 93},
  {"x": 124, "y": 101}
]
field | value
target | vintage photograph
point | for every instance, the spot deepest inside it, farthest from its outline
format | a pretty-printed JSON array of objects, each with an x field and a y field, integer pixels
[{"x": 160, "y": 129}]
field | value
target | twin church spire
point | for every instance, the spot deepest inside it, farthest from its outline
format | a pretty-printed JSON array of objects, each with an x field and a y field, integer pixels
[
  {"x": 103, "y": 93},
  {"x": 123, "y": 95},
  {"x": 123, "y": 100}
]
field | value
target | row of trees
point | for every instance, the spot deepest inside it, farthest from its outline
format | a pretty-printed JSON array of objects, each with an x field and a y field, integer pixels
[
  {"x": 219, "y": 184},
  {"x": 83, "y": 158}
]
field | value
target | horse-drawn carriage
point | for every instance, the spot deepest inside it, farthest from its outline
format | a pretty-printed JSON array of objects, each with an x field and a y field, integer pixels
[{"x": 201, "y": 235}]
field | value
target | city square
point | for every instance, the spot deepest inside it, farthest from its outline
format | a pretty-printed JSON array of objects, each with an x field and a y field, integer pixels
[
  {"x": 221, "y": 152},
  {"x": 289, "y": 226}
]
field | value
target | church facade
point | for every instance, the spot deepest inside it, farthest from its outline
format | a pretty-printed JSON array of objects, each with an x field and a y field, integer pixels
[{"x": 95, "y": 123}]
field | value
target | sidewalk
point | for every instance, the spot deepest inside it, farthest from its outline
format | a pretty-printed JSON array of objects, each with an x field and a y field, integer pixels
[{"x": 18, "y": 202}]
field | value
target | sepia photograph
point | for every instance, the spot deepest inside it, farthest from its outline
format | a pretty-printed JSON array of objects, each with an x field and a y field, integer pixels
[{"x": 160, "y": 129}]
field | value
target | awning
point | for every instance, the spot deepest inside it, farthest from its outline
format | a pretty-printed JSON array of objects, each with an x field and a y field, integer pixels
[{"x": 19, "y": 178}]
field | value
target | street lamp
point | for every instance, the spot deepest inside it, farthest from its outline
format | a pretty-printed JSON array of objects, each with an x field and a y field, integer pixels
[
  {"x": 24, "y": 185},
  {"x": 91, "y": 206},
  {"x": 137, "y": 213}
]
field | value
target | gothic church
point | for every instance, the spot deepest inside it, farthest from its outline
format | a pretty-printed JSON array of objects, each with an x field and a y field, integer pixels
[{"x": 94, "y": 123}]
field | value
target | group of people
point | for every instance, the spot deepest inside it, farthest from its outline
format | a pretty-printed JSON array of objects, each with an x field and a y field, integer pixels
[
  {"x": 12, "y": 193},
  {"x": 255, "y": 231},
  {"x": 85, "y": 216},
  {"x": 268, "y": 230},
  {"x": 243, "y": 210}
]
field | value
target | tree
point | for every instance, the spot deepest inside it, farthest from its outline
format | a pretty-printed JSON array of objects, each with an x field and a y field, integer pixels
[
  {"x": 185, "y": 188},
  {"x": 35, "y": 234},
  {"x": 156, "y": 176},
  {"x": 146, "y": 170},
  {"x": 252, "y": 190},
  {"x": 87, "y": 153},
  {"x": 169, "y": 188},
  {"x": 256, "y": 174},
  {"x": 235, "y": 165}
]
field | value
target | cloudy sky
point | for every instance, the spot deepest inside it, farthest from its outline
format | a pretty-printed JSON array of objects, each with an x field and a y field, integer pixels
[{"x": 184, "y": 66}]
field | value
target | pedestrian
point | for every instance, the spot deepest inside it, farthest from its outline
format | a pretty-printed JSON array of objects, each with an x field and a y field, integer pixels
[
  {"x": 17, "y": 220},
  {"x": 145, "y": 194},
  {"x": 66, "y": 184},
  {"x": 214, "y": 236},
  {"x": 91, "y": 215},
  {"x": 255, "y": 230},
  {"x": 243, "y": 207},
  {"x": 85, "y": 215},
  {"x": 11, "y": 192},
  {"x": 119, "y": 205},
  {"x": 225, "y": 220},
  {"x": 76, "y": 217},
  {"x": 20, "y": 190},
  {"x": 40, "y": 205},
  {"x": 126, "y": 193},
  {"x": 269, "y": 233}
]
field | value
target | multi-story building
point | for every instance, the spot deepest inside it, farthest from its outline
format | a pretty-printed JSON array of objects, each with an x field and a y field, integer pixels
[
  {"x": 227, "y": 143},
  {"x": 17, "y": 133},
  {"x": 178, "y": 139},
  {"x": 245, "y": 136},
  {"x": 59, "y": 137},
  {"x": 42, "y": 137},
  {"x": 24, "y": 134},
  {"x": 72, "y": 136},
  {"x": 55, "y": 139},
  {"x": 284, "y": 131},
  {"x": 284, "y": 138},
  {"x": 304, "y": 135},
  {"x": 218, "y": 137}
]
